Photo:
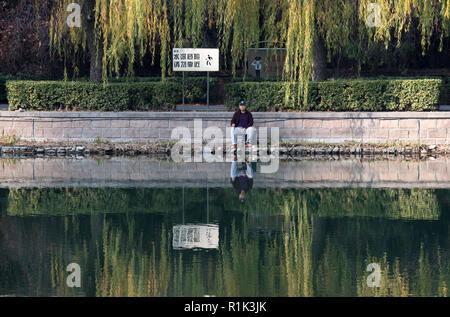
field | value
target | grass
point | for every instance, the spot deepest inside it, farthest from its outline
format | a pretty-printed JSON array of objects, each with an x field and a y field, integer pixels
[
  {"x": 165, "y": 143},
  {"x": 9, "y": 139},
  {"x": 98, "y": 141}
]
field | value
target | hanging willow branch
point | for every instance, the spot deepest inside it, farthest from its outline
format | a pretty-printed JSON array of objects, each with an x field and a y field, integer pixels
[{"x": 126, "y": 30}]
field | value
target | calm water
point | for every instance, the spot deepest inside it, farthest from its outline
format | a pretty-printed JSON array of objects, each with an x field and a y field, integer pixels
[{"x": 184, "y": 241}]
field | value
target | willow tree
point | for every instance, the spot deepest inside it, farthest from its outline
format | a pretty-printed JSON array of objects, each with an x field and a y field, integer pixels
[
  {"x": 345, "y": 26},
  {"x": 315, "y": 30},
  {"x": 117, "y": 32},
  {"x": 112, "y": 32}
]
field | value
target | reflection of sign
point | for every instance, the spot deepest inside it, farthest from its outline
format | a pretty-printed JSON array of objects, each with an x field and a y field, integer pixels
[
  {"x": 195, "y": 59},
  {"x": 195, "y": 236},
  {"x": 266, "y": 62}
]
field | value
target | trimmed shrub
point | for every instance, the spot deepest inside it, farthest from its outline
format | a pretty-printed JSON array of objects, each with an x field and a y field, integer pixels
[
  {"x": 194, "y": 87},
  {"x": 341, "y": 95},
  {"x": 73, "y": 96}
]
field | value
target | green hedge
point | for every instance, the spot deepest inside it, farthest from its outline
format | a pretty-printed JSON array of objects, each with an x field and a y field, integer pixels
[
  {"x": 148, "y": 93},
  {"x": 341, "y": 95},
  {"x": 59, "y": 95},
  {"x": 194, "y": 87}
]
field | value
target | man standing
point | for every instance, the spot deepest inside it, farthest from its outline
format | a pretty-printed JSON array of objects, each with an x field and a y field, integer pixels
[
  {"x": 242, "y": 123},
  {"x": 258, "y": 65}
]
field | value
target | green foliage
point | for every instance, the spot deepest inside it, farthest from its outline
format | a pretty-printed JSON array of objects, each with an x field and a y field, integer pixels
[
  {"x": 59, "y": 95},
  {"x": 394, "y": 204},
  {"x": 9, "y": 139},
  {"x": 126, "y": 31},
  {"x": 195, "y": 86},
  {"x": 390, "y": 203},
  {"x": 98, "y": 140},
  {"x": 349, "y": 202},
  {"x": 92, "y": 201},
  {"x": 341, "y": 95}
]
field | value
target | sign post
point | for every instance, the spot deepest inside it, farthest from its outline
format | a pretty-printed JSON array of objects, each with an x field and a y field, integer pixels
[
  {"x": 183, "y": 89},
  {"x": 207, "y": 89},
  {"x": 196, "y": 60}
]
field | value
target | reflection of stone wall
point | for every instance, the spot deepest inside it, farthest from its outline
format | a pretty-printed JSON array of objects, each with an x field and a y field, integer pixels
[
  {"x": 147, "y": 172},
  {"x": 330, "y": 127}
]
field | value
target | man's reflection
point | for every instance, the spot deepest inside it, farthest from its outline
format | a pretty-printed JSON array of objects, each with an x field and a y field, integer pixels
[{"x": 242, "y": 178}]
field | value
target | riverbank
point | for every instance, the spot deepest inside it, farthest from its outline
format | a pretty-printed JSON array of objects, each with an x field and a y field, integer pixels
[{"x": 285, "y": 150}]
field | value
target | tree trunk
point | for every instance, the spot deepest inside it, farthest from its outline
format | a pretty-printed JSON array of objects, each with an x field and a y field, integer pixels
[
  {"x": 319, "y": 67},
  {"x": 95, "y": 71}
]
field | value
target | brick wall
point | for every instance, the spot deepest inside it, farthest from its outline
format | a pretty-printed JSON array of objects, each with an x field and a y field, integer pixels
[{"x": 330, "y": 127}]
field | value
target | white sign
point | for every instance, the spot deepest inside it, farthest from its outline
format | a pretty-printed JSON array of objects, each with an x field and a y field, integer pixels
[{"x": 195, "y": 59}]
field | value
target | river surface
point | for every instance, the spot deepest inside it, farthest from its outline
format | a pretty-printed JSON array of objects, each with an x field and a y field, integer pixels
[{"x": 143, "y": 227}]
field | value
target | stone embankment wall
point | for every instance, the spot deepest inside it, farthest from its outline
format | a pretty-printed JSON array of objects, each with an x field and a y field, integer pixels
[{"x": 328, "y": 127}]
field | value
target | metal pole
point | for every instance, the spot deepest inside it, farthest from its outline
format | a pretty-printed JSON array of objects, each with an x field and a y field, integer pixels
[
  {"x": 207, "y": 203},
  {"x": 245, "y": 62},
  {"x": 183, "y": 91},
  {"x": 183, "y": 204},
  {"x": 207, "y": 89}
]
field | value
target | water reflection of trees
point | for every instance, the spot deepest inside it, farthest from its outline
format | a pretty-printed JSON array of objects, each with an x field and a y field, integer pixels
[
  {"x": 321, "y": 245},
  {"x": 387, "y": 203}
]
